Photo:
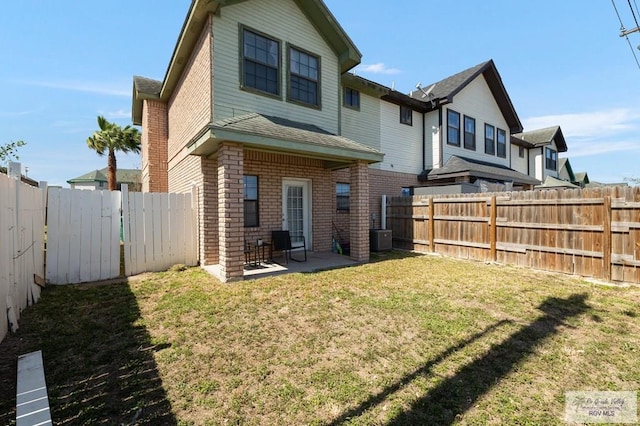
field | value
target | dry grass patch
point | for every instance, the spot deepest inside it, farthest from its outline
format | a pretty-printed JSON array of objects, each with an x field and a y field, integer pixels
[{"x": 406, "y": 340}]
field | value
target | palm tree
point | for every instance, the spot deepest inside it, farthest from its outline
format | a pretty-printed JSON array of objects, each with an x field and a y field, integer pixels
[{"x": 111, "y": 138}]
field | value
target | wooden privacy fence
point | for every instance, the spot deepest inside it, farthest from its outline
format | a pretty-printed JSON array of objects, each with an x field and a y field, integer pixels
[
  {"x": 85, "y": 230},
  {"x": 588, "y": 232},
  {"x": 21, "y": 249}
]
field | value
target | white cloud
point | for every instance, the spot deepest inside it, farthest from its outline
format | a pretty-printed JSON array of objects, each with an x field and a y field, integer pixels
[
  {"x": 121, "y": 113},
  {"x": 588, "y": 148},
  {"x": 596, "y": 124},
  {"x": 82, "y": 86},
  {"x": 379, "y": 68},
  {"x": 594, "y": 133}
]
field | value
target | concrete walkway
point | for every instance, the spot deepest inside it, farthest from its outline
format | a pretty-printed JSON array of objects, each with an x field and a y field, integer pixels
[{"x": 315, "y": 262}]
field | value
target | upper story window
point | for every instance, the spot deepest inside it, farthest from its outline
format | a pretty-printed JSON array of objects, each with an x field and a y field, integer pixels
[
  {"x": 453, "y": 127},
  {"x": 502, "y": 143},
  {"x": 489, "y": 139},
  {"x": 521, "y": 151},
  {"x": 406, "y": 115},
  {"x": 551, "y": 159},
  {"x": 469, "y": 133},
  {"x": 260, "y": 63},
  {"x": 304, "y": 77},
  {"x": 343, "y": 195},
  {"x": 251, "y": 211},
  {"x": 351, "y": 98}
]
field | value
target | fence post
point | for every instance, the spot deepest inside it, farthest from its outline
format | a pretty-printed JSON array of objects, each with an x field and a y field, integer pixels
[
  {"x": 493, "y": 229},
  {"x": 606, "y": 238},
  {"x": 432, "y": 227}
]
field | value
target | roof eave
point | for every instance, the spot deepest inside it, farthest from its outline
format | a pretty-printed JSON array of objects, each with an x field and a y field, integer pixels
[{"x": 208, "y": 142}]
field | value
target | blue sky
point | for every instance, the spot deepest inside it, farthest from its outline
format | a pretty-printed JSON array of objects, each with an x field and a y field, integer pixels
[{"x": 562, "y": 62}]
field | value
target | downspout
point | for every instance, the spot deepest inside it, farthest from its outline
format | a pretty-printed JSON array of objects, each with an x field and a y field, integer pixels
[
  {"x": 424, "y": 142},
  {"x": 440, "y": 136}
]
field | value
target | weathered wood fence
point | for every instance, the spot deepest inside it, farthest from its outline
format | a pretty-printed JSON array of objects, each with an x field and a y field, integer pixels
[
  {"x": 21, "y": 249},
  {"x": 588, "y": 232}
]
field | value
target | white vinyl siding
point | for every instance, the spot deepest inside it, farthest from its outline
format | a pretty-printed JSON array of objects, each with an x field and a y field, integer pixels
[
  {"x": 477, "y": 101},
  {"x": 363, "y": 125},
  {"x": 537, "y": 161},
  {"x": 266, "y": 17},
  {"x": 401, "y": 144},
  {"x": 519, "y": 164}
]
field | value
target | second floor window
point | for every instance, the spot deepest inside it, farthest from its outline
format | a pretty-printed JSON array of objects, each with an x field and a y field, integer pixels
[
  {"x": 469, "y": 133},
  {"x": 521, "y": 152},
  {"x": 453, "y": 128},
  {"x": 551, "y": 159},
  {"x": 304, "y": 77},
  {"x": 351, "y": 98},
  {"x": 260, "y": 63},
  {"x": 502, "y": 143},
  {"x": 406, "y": 115},
  {"x": 489, "y": 139}
]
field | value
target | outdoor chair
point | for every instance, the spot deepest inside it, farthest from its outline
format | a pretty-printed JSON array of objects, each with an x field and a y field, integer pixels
[{"x": 281, "y": 241}]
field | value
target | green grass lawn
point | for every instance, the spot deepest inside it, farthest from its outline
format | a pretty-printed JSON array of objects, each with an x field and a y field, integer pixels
[{"x": 403, "y": 340}]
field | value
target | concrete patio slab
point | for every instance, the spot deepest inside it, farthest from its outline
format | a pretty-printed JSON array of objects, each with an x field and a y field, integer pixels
[{"x": 317, "y": 261}]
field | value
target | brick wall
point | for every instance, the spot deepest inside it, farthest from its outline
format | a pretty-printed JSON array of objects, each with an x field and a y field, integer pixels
[
  {"x": 154, "y": 146},
  {"x": 381, "y": 183},
  {"x": 190, "y": 107},
  {"x": 271, "y": 169}
]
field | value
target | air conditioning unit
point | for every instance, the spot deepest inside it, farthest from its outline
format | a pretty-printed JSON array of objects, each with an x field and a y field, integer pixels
[{"x": 380, "y": 240}]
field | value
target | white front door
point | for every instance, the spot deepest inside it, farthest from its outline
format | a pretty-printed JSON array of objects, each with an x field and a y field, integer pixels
[{"x": 296, "y": 209}]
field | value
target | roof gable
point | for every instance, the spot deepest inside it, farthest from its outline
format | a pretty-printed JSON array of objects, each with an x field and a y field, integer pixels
[
  {"x": 546, "y": 136},
  {"x": 315, "y": 10},
  {"x": 445, "y": 90}
]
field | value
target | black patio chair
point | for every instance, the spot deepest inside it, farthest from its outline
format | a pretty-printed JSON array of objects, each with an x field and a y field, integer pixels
[{"x": 281, "y": 241}]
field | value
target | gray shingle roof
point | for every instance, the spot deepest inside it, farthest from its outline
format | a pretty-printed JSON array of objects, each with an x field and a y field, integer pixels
[
  {"x": 453, "y": 84},
  {"x": 147, "y": 85},
  {"x": 541, "y": 137},
  {"x": 480, "y": 169},
  {"x": 445, "y": 90},
  {"x": 122, "y": 176},
  {"x": 281, "y": 128}
]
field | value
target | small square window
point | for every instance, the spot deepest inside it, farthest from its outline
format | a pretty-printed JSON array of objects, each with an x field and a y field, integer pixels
[
  {"x": 406, "y": 115},
  {"x": 351, "y": 98}
]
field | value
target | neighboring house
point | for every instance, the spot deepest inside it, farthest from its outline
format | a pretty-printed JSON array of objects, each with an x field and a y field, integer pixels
[
  {"x": 544, "y": 146},
  {"x": 551, "y": 182},
  {"x": 97, "y": 179},
  {"x": 565, "y": 172},
  {"x": 253, "y": 120},
  {"x": 23, "y": 178}
]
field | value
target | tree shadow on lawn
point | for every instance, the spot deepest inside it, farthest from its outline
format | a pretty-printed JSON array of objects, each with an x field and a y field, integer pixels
[
  {"x": 457, "y": 394},
  {"x": 98, "y": 363}
]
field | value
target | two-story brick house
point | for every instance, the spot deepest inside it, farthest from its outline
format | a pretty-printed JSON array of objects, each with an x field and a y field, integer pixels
[{"x": 249, "y": 112}]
